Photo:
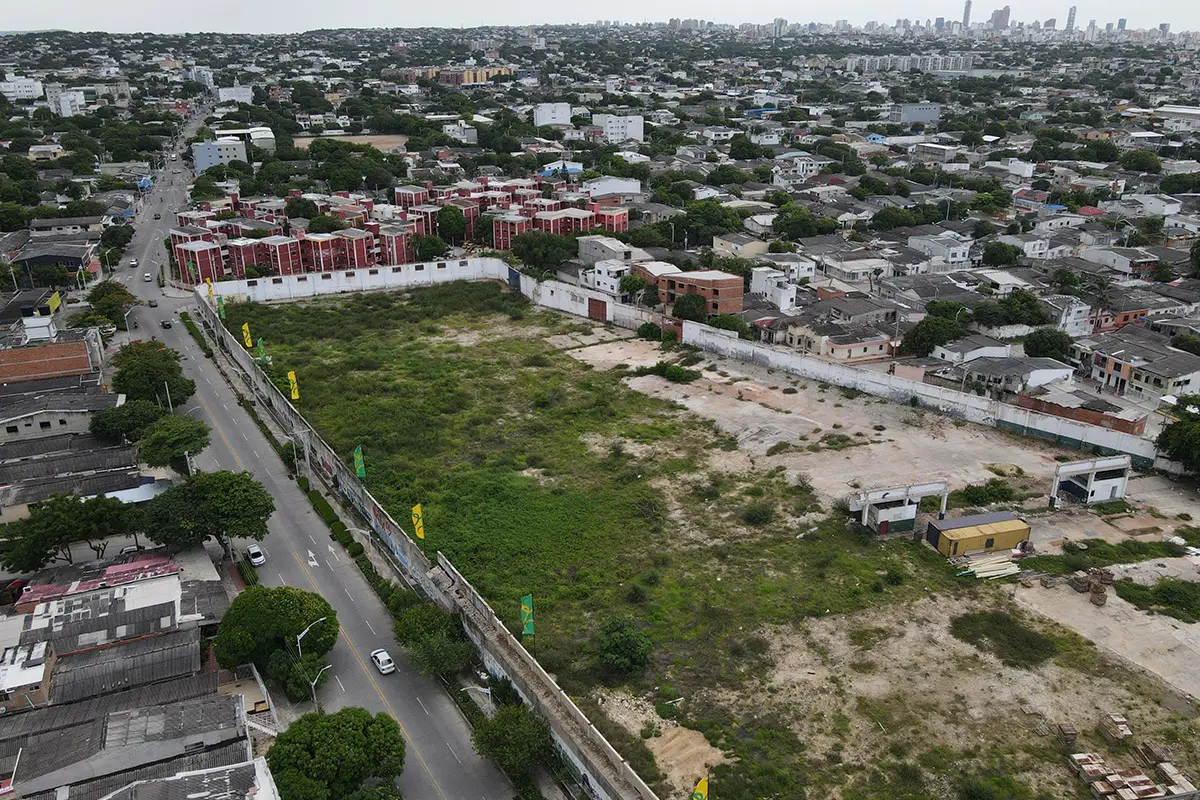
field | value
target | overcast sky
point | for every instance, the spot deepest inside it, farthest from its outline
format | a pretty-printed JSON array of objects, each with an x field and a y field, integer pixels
[{"x": 288, "y": 16}]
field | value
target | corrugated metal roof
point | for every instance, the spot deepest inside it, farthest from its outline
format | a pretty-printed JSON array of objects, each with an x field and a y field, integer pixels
[
  {"x": 230, "y": 785},
  {"x": 970, "y": 521},
  {"x": 31, "y": 469},
  {"x": 137, "y": 663}
]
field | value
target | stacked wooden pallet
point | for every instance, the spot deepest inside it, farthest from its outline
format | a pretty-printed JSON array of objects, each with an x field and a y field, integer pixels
[{"x": 990, "y": 566}]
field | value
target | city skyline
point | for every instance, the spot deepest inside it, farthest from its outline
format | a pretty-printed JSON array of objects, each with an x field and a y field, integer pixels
[{"x": 277, "y": 16}]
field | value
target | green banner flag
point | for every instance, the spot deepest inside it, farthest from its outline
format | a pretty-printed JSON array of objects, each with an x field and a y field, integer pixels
[
  {"x": 527, "y": 615},
  {"x": 360, "y": 466},
  {"x": 262, "y": 351},
  {"x": 221, "y": 306}
]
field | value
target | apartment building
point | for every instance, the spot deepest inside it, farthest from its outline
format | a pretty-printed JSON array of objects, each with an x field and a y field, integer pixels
[
  {"x": 508, "y": 227},
  {"x": 617, "y": 128},
  {"x": 721, "y": 291},
  {"x": 552, "y": 114},
  {"x": 217, "y": 151}
]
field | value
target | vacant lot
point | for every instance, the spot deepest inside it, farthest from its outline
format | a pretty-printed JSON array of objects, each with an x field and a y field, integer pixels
[
  {"x": 384, "y": 142},
  {"x": 791, "y": 653}
]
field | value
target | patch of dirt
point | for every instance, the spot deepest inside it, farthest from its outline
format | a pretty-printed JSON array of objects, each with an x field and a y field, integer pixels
[
  {"x": 684, "y": 755},
  {"x": 490, "y": 330}
]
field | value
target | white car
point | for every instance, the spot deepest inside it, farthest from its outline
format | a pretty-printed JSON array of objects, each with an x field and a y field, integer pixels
[
  {"x": 147, "y": 277},
  {"x": 256, "y": 556},
  {"x": 133, "y": 262},
  {"x": 383, "y": 662}
]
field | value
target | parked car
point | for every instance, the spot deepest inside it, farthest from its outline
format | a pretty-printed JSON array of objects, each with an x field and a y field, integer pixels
[
  {"x": 256, "y": 556},
  {"x": 131, "y": 548},
  {"x": 133, "y": 262},
  {"x": 383, "y": 662},
  {"x": 166, "y": 323},
  {"x": 158, "y": 216},
  {"x": 146, "y": 277},
  {"x": 152, "y": 303}
]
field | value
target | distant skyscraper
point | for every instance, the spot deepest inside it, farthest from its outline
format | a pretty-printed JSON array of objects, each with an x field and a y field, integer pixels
[
  {"x": 1165, "y": 27},
  {"x": 1000, "y": 18},
  {"x": 967, "y": 15},
  {"x": 1070, "y": 20},
  {"x": 1050, "y": 24},
  {"x": 939, "y": 23},
  {"x": 1121, "y": 24},
  {"x": 1108, "y": 27}
]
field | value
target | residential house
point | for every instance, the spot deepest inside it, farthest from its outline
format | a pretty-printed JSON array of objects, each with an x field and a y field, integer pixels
[
  {"x": 738, "y": 245},
  {"x": 1031, "y": 245},
  {"x": 1069, "y": 314},
  {"x": 1139, "y": 361},
  {"x": 774, "y": 287},
  {"x": 722, "y": 291},
  {"x": 968, "y": 348}
]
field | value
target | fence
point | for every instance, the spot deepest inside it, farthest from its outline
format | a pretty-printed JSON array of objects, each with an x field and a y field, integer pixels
[
  {"x": 945, "y": 400},
  {"x": 601, "y": 770}
]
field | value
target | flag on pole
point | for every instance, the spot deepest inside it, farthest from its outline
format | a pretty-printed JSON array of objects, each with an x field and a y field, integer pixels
[
  {"x": 360, "y": 466},
  {"x": 210, "y": 289},
  {"x": 418, "y": 521},
  {"x": 295, "y": 385},
  {"x": 262, "y": 351},
  {"x": 246, "y": 334},
  {"x": 191, "y": 270},
  {"x": 527, "y": 615},
  {"x": 221, "y": 306},
  {"x": 701, "y": 792}
]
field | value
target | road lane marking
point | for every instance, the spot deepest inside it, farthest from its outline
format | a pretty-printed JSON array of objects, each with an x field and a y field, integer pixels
[
  {"x": 224, "y": 406},
  {"x": 347, "y": 591},
  {"x": 339, "y": 680},
  {"x": 451, "y": 749},
  {"x": 412, "y": 745},
  {"x": 372, "y": 629},
  {"x": 312, "y": 559},
  {"x": 221, "y": 432},
  {"x": 423, "y": 708},
  {"x": 310, "y": 537},
  {"x": 206, "y": 380},
  {"x": 281, "y": 580},
  {"x": 252, "y": 450},
  {"x": 244, "y": 436}
]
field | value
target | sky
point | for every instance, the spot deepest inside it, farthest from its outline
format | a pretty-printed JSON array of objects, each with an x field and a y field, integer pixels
[{"x": 290, "y": 16}]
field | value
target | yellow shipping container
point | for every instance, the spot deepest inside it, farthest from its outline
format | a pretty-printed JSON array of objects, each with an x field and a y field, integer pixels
[{"x": 999, "y": 530}]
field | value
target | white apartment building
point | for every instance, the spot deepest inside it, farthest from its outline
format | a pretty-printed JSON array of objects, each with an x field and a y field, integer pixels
[
  {"x": 948, "y": 248},
  {"x": 18, "y": 88},
  {"x": 69, "y": 103},
  {"x": 925, "y": 63},
  {"x": 551, "y": 114},
  {"x": 618, "y": 128},
  {"x": 236, "y": 94},
  {"x": 218, "y": 151},
  {"x": 605, "y": 276}
]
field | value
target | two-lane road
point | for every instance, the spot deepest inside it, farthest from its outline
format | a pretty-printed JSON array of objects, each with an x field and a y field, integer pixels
[{"x": 441, "y": 763}]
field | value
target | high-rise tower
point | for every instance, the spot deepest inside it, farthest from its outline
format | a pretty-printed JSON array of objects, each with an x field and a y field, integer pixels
[
  {"x": 967, "y": 15},
  {"x": 1071, "y": 20}
]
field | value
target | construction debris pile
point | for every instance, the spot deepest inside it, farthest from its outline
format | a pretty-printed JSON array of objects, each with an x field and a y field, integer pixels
[
  {"x": 1094, "y": 582},
  {"x": 1108, "y": 783}
]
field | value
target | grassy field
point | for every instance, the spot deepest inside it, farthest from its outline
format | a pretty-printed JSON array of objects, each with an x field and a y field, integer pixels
[{"x": 541, "y": 475}]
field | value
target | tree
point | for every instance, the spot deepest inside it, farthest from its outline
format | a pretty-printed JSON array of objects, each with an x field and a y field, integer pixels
[
  {"x": 452, "y": 225},
  {"x": 624, "y": 648},
  {"x": 797, "y": 222},
  {"x": 111, "y": 299},
  {"x": 323, "y": 223},
  {"x": 430, "y": 248},
  {"x": 983, "y": 228},
  {"x": 125, "y": 422},
  {"x": 262, "y": 621},
  {"x": 998, "y": 254},
  {"x": 299, "y": 207},
  {"x": 442, "y": 654},
  {"x": 514, "y": 738},
  {"x": 632, "y": 284},
  {"x": 543, "y": 251},
  {"x": 56, "y": 523},
  {"x": 331, "y": 756},
  {"x": 1048, "y": 343},
  {"x": 1140, "y": 161},
  {"x": 1186, "y": 342},
  {"x": 691, "y": 306},
  {"x": 929, "y": 333},
  {"x": 1163, "y": 272},
  {"x": 168, "y": 438},
  {"x": 742, "y": 149},
  {"x": 209, "y": 505},
  {"x": 1180, "y": 440},
  {"x": 151, "y": 371}
]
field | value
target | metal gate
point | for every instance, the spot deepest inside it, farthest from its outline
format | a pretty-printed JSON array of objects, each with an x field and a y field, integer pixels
[
  {"x": 597, "y": 309},
  {"x": 514, "y": 280}
]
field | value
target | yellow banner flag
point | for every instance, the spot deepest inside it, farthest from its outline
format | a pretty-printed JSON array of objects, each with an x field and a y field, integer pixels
[
  {"x": 246, "y": 334},
  {"x": 701, "y": 792},
  {"x": 418, "y": 521},
  {"x": 295, "y": 385},
  {"x": 209, "y": 282}
]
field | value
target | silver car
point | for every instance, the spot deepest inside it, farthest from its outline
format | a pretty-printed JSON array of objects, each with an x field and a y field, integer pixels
[{"x": 383, "y": 662}]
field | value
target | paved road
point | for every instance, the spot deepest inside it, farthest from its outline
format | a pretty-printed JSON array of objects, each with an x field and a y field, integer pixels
[{"x": 441, "y": 763}]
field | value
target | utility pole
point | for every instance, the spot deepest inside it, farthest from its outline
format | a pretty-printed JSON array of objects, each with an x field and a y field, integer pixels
[{"x": 170, "y": 407}]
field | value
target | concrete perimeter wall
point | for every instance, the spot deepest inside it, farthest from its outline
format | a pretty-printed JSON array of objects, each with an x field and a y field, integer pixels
[
  {"x": 963, "y": 405},
  {"x": 599, "y": 768}
]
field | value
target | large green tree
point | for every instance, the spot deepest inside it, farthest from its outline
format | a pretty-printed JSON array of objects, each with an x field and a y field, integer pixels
[
  {"x": 930, "y": 333},
  {"x": 1180, "y": 440},
  {"x": 209, "y": 505},
  {"x": 514, "y": 738},
  {"x": 330, "y": 756},
  {"x": 429, "y": 248},
  {"x": 543, "y": 251},
  {"x": 1140, "y": 161},
  {"x": 125, "y": 422},
  {"x": 168, "y": 438},
  {"x": 1048, "y": 343},
  {"x": 692, "y": 307},
  {"x": 452, "y": 225},
  {"x": 999, "y": 254},
  {"x": 151, "y": 371},
  {"x": 623, "y": 647},
  {"x": 262, "y": 621},
  {"x": 56, "y": 523}
]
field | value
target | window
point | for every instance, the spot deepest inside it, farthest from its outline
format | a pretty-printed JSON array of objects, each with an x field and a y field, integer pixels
[
  {"x": 462, "y": 263},
  {"x": 45, "y": 425},
  {"x": 302, "y": 279},
  {"x": 420, "y": 267},
  {"x": 441, "y": 265},
  {"x": 11, "y": 429},
  {"x": 62, "y": 422},
  {"x": 325, "y": 276},
  {"x": 396, "y": 269},
  {"x": 276, "y": 280},
  {"x": 349, "y": 274},
  {"x": 990, "y": 543},
  {"x": 252, "y": 283},
  {"x": 372, "y": 272}
]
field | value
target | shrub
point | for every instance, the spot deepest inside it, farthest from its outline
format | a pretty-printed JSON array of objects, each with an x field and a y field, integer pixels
[
  {"x": 672, "y": 372},
  {"x": 994, "y": 491},
  {"x": 790, "y": 390},
  {"x": 624, "y": 648},
  {"x": 302, "y": 482},
  {"x": 759, "y": 513},
  {"x": 323, "y": 508},
  {"x": 248, "y": 572},
  {"x": 648, "y": 330},
  {"x": 355, "y": 549}
]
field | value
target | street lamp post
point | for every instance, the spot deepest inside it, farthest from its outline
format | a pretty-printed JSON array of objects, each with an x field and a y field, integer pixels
[
  {"x": 304, "y": 633},
  {"x": 125, "y": 317},
  {"x": 312, "y": 686}
]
